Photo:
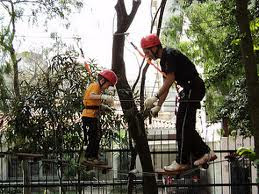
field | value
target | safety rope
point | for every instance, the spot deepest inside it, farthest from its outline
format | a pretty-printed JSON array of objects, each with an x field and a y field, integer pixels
[
  {"x": 145, "y": 173},
  {"x": 135, "y": 171},
  {"x": 147, "y": 59},
  {"x": 119, "y": 100},
  {"x": 199, "y": 167}
]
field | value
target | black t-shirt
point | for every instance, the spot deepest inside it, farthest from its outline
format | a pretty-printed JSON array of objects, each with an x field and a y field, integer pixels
[{"x": 173, "y": 60}]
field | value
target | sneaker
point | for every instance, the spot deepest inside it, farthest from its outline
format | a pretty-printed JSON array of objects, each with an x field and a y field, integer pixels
[
  {"x": 176, "y": 167},
  {"x": 211, "y": 156}
]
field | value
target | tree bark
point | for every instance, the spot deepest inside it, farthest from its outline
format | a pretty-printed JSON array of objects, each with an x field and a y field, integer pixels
[
  {"x": 134, "y": 118},
  {"x": 249, "y": 60}
]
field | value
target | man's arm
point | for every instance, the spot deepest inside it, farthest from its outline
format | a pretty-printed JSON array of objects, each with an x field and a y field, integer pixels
[
  {"x": 162, "y": 98},
  {"x": 163, "y": 91}
]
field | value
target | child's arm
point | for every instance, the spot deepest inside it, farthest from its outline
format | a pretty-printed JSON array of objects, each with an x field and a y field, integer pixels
[
  {"x": 94, "y": 96},
  {"x": 106, "y": 99}
]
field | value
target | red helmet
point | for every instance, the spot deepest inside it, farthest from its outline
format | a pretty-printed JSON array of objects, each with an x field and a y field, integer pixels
[
  {"x": 110, "y": 76},
  {"x": 150, "y": 41}
]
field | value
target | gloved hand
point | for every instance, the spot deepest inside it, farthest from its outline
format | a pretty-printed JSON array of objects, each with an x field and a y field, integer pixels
[
  {"x": 154, "y": 111},
  {"x": 149, "y": 102},
  {"x": 107, "y": 99}
]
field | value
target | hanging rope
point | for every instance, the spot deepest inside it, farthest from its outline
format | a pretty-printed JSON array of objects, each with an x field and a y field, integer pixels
[
  {"x": 87, "y": 65},
  {"x": 150, "y": 63},
  {"x": 148, "y": 60}
]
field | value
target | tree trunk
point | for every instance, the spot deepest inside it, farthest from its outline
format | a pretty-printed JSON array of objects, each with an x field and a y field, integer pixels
[
  {"x": 8, "y": 45},
  {"x": 249, "y": 61},
  {"x": 134, "y": 118}
]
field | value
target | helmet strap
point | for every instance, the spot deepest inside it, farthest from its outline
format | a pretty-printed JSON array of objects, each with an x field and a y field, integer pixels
[
  {"x": 155, "y": 54},
  {"x": 99, "y": 81}
]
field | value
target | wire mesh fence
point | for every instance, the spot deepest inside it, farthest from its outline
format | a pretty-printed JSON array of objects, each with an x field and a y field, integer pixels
[{"x": 61, "y": 173}]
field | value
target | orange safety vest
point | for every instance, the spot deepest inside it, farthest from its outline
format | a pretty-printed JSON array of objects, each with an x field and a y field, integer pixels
[{"x": 91, "y": 105}]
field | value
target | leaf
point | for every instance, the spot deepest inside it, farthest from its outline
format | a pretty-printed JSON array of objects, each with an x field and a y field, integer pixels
[
  {"x": 236, "y": 42},
  {"x": 254, "y": 25},
  {"x": 246, "y": 152}
]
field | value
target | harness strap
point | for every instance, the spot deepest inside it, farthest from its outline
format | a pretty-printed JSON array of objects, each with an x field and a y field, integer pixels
[{"x": 92, "y": 107}]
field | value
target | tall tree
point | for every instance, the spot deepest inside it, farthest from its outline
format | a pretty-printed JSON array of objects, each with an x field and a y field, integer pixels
[
  {"x": 249, "y": 60},
  {"x": 134, "y": 118},
  {"x": 16, "y": 10}
]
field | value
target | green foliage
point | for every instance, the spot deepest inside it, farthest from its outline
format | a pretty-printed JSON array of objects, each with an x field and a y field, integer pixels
[
  {"x": 11, "y": 13},
  {"x": 187, "y": 3},
  {"x": 4, "y": 92},
  {"x": 247, "y": 153},
  {"x": 254, "y": 27},
  {"x": 47, "y": 119},
  {"x": 174, "y": 31},
  {"x": 235, "y": 107}
]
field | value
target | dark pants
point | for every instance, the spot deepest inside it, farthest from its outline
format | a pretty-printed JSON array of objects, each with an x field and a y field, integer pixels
[
  {"x": 189, "y": 140},
  {"x": 92, "y": 136}
]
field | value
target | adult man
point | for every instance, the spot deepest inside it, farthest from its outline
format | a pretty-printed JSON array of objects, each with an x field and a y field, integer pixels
[{"x": 178, "y": 68}]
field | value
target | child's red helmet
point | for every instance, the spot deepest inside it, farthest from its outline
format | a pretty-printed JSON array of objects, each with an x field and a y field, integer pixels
[
  {"x": 110, "y": 76},
  {"x": 149, "y": 41}
]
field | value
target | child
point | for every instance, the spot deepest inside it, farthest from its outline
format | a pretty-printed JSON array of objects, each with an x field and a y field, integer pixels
[{"x": 93, "y": 99}]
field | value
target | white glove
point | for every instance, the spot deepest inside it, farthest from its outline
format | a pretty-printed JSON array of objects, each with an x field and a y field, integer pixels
[
  {"x": 149, "y": 102},
  {"x": 107, "y": 99},
  {"x": 154, "y": 111}
]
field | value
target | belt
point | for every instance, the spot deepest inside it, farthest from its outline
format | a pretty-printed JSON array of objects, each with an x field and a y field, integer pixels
[{"x": 92, "y": 107}]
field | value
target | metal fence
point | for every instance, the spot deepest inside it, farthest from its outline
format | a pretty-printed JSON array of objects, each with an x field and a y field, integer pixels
[{"x": 60, "y": 172}]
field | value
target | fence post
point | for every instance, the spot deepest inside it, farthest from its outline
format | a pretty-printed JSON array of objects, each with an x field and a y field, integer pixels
[{"x": 26, "y": 178}]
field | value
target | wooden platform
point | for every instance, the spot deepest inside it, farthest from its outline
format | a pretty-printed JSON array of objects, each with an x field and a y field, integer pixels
[
  {"x": 28, "y": 156},
  {"x": 56, "y": 162},
  {"x": 163, "y": 172},
  {"x": 90, "y": 166}
]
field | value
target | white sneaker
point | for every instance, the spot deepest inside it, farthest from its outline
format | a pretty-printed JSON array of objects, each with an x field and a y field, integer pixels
[
  {"x": 176, "y": 167},
  {"x": 211, "y": 156}
]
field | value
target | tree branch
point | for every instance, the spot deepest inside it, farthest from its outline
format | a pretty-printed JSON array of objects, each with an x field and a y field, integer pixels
[{"x": 135, "y": 5}]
